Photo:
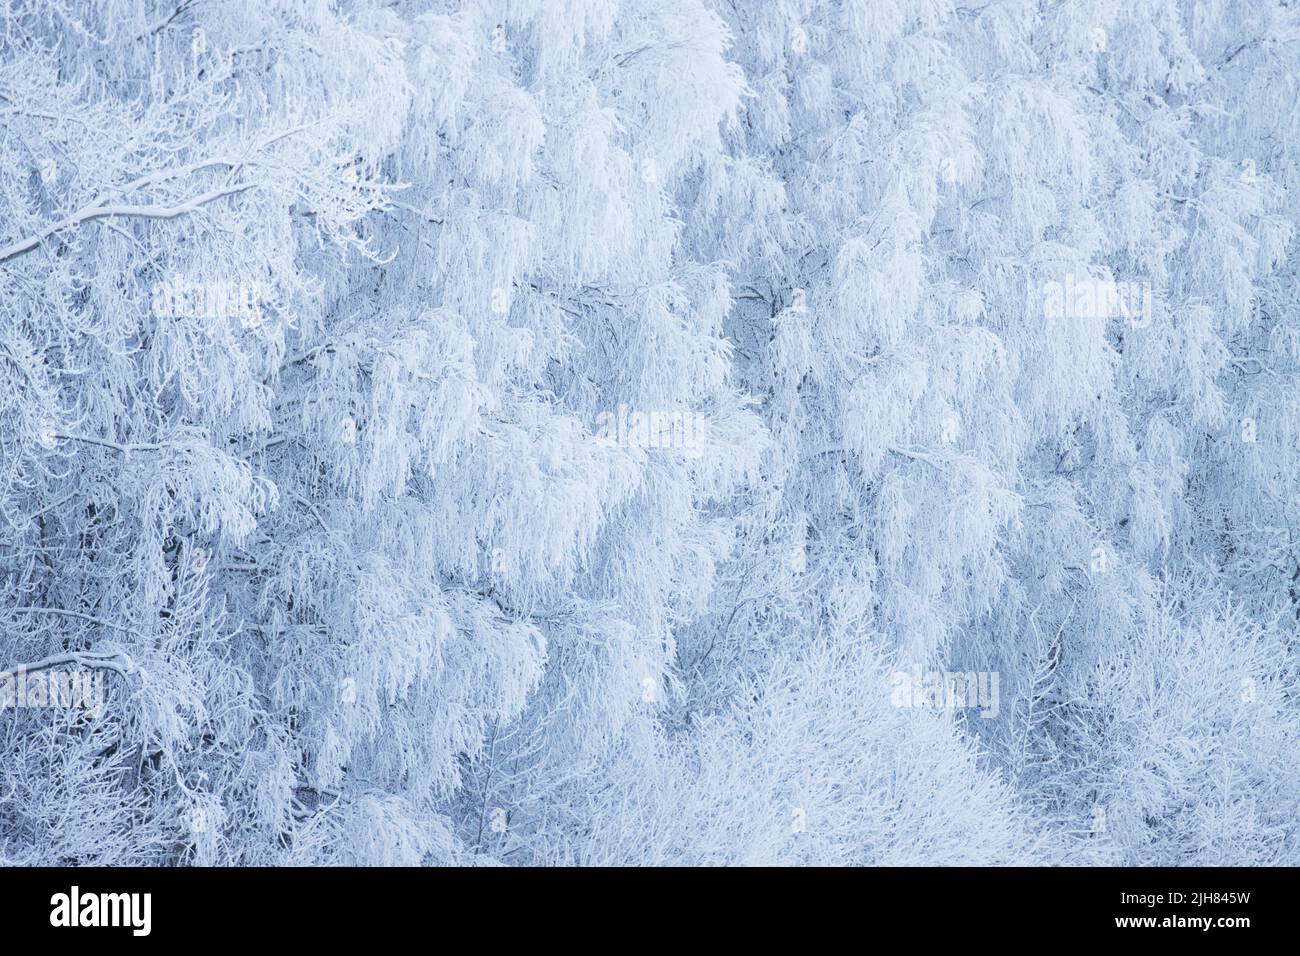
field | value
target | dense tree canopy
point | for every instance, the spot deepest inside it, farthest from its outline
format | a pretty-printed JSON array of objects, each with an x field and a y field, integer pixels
[{"x": 545, "y": 432}]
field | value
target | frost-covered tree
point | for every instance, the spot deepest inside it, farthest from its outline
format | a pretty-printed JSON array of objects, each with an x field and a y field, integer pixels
[{"x": 543, "y": 433}]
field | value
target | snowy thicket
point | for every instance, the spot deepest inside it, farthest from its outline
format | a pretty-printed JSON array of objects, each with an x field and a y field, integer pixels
[{"x": 651, "y": 431}]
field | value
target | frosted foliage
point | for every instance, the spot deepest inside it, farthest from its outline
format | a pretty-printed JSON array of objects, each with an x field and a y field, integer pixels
[{"x": 655, "y": 432}]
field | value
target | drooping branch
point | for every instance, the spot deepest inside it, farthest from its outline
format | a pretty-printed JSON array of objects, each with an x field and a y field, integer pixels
[
  {"x": 61, "y": 612},
  {"x": 119, "y": 662},
  {"x": 100, "y": 211},
  {"x": 115, "y": 446}
]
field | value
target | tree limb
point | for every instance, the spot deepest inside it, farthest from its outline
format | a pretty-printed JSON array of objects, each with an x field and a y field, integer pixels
[
  {"x": 119, "y": 662},
  {"x": 99, "y": 211}
]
